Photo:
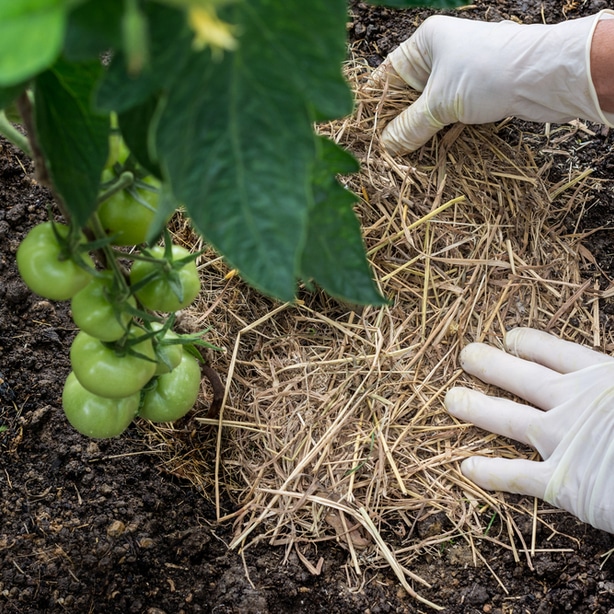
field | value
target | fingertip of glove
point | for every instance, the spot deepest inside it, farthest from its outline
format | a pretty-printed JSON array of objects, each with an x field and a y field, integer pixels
[
  {"x": 385, "y": 73},
  {"x": 457, "y": 402},
  {"x": 520, "y": 340},
  {"x": 471, "y": 355},
  {"x": 452, "y": 398},
  {"x": 511, "y": 339},
  {"x": 392, "y": 144},
  {"x": 467, "y": 467}
]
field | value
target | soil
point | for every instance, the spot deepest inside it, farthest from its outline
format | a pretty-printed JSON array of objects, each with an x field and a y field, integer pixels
[{"x": 98, "y": 526}]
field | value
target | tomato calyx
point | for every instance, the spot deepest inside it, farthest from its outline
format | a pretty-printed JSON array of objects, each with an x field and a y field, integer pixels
[
  {"x": 167, "y": 343},
  {"x": 116, "y": 184},
  {"x": 134, "y": 191},
  {"x": 131, "y": 180},
  {"x": 165, "y": 267},
  {"x": 167, "y": 262},
  {"x": 72, "y": 244},
  {"x": 125, "y": 346}
]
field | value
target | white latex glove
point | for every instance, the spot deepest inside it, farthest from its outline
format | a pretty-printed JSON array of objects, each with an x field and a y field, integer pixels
[
  {"x": 479, "y": 72},
  {"x": 573, "y": 429}
]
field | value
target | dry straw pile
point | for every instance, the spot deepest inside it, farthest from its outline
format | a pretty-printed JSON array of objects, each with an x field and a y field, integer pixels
[{"x": 333, "y": 425}]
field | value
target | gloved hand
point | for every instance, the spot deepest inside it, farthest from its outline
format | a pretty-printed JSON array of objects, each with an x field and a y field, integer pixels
[
  {"x": 478, "y": 72},
  {"x": 573, "y": 429}
]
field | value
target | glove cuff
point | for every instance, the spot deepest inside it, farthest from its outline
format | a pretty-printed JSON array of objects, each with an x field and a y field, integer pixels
[{"x": 606, "y": 118}]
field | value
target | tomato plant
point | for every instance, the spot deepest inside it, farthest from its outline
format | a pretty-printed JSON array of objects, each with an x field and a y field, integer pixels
[
  {"x": 197, "y": 101},
  {"x": 173, "y": 394},
  {"x": 128, "y": 214},
  {"x": 173, "y": 285},
  {"x": 229, "y": 131},
  {"x": 100, "y": 310},
  {"x": 96, "y": 416},
  {"x": 109, "y": 371},
  {"x": 47, "y": 267}
]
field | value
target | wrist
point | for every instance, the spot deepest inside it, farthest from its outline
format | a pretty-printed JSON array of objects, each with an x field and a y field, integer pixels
[{"x": 602, "y": 64}]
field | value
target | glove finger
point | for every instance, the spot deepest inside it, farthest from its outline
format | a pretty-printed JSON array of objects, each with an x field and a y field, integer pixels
[
  {"x": 552, "y": 352},
  {"x": 535, "y": 383},
  {"x": 385, "y": 73},
  {"x": 501, "y": 416},
  {"x": 412, "y": 59},
  {"x": 410, "y": 129},
  {"x": 519, "y": 476}
]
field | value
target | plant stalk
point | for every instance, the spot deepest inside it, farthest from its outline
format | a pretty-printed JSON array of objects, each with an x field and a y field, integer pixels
[
  {"x": 8, "y": 131},
  {"x": 24, "y": 106},
  {"x": 109, "y": 255}
]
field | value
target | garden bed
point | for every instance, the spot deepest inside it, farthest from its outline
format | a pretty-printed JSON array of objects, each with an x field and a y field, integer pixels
[{"x": 329, "y": 481}]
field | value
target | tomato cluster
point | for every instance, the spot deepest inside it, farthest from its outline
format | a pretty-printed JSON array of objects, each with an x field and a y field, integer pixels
[{"x": 126, "y": 360}]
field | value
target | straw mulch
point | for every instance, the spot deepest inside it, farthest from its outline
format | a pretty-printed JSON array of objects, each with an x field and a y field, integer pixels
[{"x": 333, "y": 425}]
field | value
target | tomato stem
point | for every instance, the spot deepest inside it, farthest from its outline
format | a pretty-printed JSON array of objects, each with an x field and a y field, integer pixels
[
  {"x": 109, "y": 254},
  {"x": 139, "y": 256},
  {"x": 125, "y": 180},
  {"x": 11, "y": 133},
  {"x": 25, "y": 108}
]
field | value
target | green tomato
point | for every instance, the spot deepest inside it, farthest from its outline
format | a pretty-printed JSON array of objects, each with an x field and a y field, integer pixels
[
  {"x": 159, "y": 294},
  {"x": 168, "y": 354},
  {"x": 174, "y": 393},
  {"x": 44, "y": 267},
  {"x": 127, "y": 218},
  {"x": 107, "y": 373},
  {"x": 94, "y": 311},
  {"x": 96, "y": 416}
]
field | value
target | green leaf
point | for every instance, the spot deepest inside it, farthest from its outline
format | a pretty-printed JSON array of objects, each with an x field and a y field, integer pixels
[
  {"x": 236, "y": 139},
  {"x": 332, "y": 160},
  {"x": 174, "y": 282},
  {"x": 93, "y": 28},
  {"x": 334, "y": 255},
  {"x": 74, "y": 138},
  {"x": 436, "y": 4},
  {"x": 136, "y": 126},
  {"x": 31, "y": 35},
  {"x": 167, "y": 204},
  {"x": 304, "y": 44},
  {"x": 170, "y": 46},
  {"x": 240, "y": 166}
]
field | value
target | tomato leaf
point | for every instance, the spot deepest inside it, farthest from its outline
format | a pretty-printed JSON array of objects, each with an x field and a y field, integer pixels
[
  {"x": 73, "y": 137},
  {"x": 136, "y": 126},
  {"x": 236, "y": 136},
  {"x": 174, "y": 283},
  {"x": 334, "y": 233},
  {"x": 167, "y": 204},
  {"x": 170, "y": 45},
  {"x": 93, "y": 28},
  {"x": 31, "y": 35}
]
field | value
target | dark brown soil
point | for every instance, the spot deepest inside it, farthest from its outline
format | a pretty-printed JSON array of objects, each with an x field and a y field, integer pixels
[{"x": 97, "y": 526}]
